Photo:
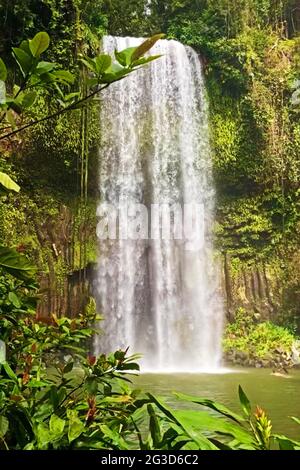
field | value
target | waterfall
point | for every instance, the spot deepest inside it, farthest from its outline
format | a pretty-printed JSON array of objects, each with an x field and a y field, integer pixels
[{"x": 158, "y": 294}]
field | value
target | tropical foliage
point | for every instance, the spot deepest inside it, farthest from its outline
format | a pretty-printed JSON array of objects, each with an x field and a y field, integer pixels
[
  {"x": 258, "y": 342},
  {"x": 53, "y": 394}
]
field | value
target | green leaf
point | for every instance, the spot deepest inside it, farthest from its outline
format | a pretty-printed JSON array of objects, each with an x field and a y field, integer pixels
[
  {"x": 146, "y": 46},
  {"x": 10, "y": 373},
  {"x": 23, "y": 59},
  {"x": 103, "y": 62},
  {"x": 212, "y": 405},
  {"x": 285, "y": 443},
  {"x": 16, "y": 264},
  {"x": 64, "y": 76},
  {"x": 68, "y": 367},
  {"x": 91, "y": 384},
  {"x": 71, "y": 96},
  {"x": 198, "y": 422},
  {"x": 297, "y": 420},
  {"x": 89, "y": 63},
  {"x": 125, "y": 57},
  {"x": 76, "y": 428},
  {"x": 114, "y": 437},
  {"x": 8, "y": 183},
  {"x": 245, "y": 402},
  {"x": 44, "y": 67},
  {"x": 154, "y": 427},
  {"x": 113, "y": 73},
  {"x": 25, "y": 46},
  {"x": 4, "y": 425},
  {"x": 3, "y": 71},
  {"x": 56, "y": 426},
  {"x": 202, "y": 442},
  {"x": 29, "y": 99},
  {"x": 2, "y": 92},
  {"x": 39, "y": 43},
  {"x": 44, "y": 436},
  {"x": 14, "y": 299}
]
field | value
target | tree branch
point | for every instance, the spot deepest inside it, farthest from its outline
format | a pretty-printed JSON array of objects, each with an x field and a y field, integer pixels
[{"x": 56, "y": 114}]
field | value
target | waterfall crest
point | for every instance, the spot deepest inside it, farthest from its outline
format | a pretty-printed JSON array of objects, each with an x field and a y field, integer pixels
[{"x": 159, "y": 296}]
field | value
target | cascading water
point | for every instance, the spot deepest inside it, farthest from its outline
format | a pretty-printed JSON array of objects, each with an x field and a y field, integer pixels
[{"x": 160, "y": 296}]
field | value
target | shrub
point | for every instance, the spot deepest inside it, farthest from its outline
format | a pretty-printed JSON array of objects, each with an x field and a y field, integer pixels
[{"x": 258, "y": 340}]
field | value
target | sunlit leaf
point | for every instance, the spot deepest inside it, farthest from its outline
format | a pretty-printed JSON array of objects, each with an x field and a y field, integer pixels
[
  {"x": 56, "y": 426},
  {"x": 39, "y": 43},
  {"x": 76, "y": 428},
  {"x": 146, "y": 46},
  {"x": 125, "y": 57},
  {"x": 8, "y": 183}
]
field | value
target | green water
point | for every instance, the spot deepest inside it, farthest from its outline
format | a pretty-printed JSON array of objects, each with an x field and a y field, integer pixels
[{"x": 279, "y": 396}]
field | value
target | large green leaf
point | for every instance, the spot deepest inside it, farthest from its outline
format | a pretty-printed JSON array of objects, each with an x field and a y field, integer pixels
[
  {"x": 146, "y": 46},
  {"x": 39, "y": 43},
  {"x": 56, "y": 426},
  {"x": 3, "y": 70},
  {"x": 183, "y": 427},
  {"x": 8, "y": 183},
  {"x": 186, "y": 428},
  {"x": 203, "y": 422},
  {"x": 24, "y": 60},
  {"x": 16, "y": 264},
  {"x": 44, "y": 436},
  {"x": 103, "y": 62},
  {"x": 212, "y": 405}
]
